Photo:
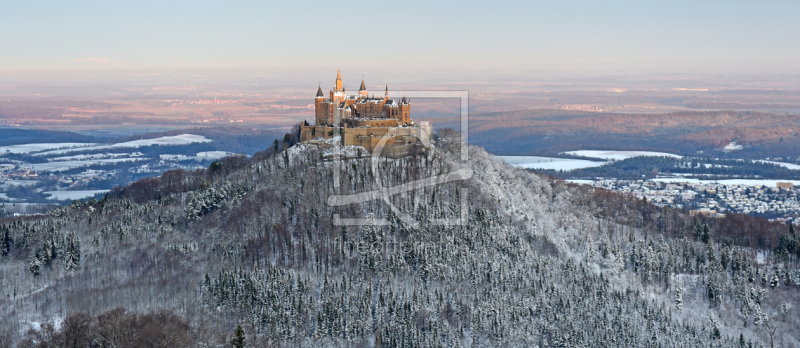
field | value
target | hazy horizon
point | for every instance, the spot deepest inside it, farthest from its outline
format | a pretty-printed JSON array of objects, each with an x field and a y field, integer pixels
[{"x": 402, "y": 42}]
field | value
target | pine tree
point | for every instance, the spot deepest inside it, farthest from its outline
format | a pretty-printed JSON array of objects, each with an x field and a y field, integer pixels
[
  {"x": 705, "y": 237},
  {"x": 238, "y": 340},
  {"x": 679, "y": 299},
  {"x": 72, "y": 254},
  {"x": 35, "y": 265},
  {"x": 5, "y": 243}
]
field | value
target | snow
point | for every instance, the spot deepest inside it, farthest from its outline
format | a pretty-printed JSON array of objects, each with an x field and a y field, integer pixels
[
  {"x": 760, "y": 258},
  {"x": 334, "y": 148},
  {"x": 731, "y": 147},
  {"x": 334, "y": 140},
  {"x": 28, "y": 148},
  {"x": 200, "y": 156},
  {"x": 182, "y": 139},
  {"x": 212, "y": 155},
  {"x": 175, "y": 157},
  {"x": 791, "y": 166},
  {"x": 618, "y": 155},
  {"x": 581, "y": 181},
  {"x": 345, "y": 151},
  {"x": 96, "y": 156},
  {"x": 72, "y": 195},
  {"x": 554, "y": 163},
  {"x": 35, "y": 325}
]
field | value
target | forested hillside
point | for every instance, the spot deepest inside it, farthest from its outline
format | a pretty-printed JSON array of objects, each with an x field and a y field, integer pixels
[
  {"x": 246, "y": 252},
  {"x": 695, "y": 133}
]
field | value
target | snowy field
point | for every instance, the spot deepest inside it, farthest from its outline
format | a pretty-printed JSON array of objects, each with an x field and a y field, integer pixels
[
  {"x": 72, "y": 195},
  {"x": 96, "y": 156},
  {"x": 211, "y": 155},
  {"x": 618, "y": 155},
  {"x": 581, "y": 181},
  {"x": 791, "y": 166},
  {"x": 549, "y": 163},
  {"x": 200, "y": 156},
  {"x": 28, "y": 148},
  {"x": 182, "y": 139}
]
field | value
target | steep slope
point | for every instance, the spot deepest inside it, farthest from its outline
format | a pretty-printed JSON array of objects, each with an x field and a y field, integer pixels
[{"x": 253, "y": 243}]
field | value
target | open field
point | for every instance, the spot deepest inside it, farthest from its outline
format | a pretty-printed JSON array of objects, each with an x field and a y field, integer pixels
[{"x": 549, "y": 163}]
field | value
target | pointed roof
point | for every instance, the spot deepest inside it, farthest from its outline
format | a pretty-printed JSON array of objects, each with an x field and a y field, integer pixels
[
  {"x": 319, "y": 91},
  {"x": 338, "y": 74},
  {"x": 387, "y": 90},
  {"x": 363, "y": 87}
]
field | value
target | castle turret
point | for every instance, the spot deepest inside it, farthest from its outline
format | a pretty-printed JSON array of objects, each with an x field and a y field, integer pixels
[
  {"x": 362, "y": 91},
  {"x": 338, "y": 80},
  {"x": 405, "y": 111},
  {"x": 320, "y": 109}
]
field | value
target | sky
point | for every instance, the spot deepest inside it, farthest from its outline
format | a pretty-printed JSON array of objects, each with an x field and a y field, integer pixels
[{"x": 448, "y": 38}]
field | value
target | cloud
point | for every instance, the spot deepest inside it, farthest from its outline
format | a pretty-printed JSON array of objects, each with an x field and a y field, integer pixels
[{"x": 96, "y": 60}]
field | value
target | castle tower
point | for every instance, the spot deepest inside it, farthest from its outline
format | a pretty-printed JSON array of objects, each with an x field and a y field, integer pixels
[
  {"x": 338, "y": 92},
  {"x": 386, "y": 94},
  {"x": 363, "y": 90},
  {"x": 320, "y": 109},
  {"x": 405, "y": 111}
]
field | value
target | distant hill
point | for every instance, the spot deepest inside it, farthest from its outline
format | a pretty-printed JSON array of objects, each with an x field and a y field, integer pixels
[
  {"x": 551, "y": 131},
  {"x": 252, "y": 243},
  {"x": 244, "y": 140},
  {"x": 16, "y": 135}
]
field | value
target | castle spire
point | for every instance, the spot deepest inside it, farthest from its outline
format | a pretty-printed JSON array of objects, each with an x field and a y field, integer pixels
[
  {"x": 387, "y": 91},
  {"x": 319, "y": 91},
  {"x": 363, "y": 90},
  {"x": 338, "y": 80}
]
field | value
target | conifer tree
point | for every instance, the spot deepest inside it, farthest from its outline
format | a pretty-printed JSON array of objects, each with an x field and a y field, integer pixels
[
  {"x": 705, "y": 236},
  {"x": 238, "y": 340}
]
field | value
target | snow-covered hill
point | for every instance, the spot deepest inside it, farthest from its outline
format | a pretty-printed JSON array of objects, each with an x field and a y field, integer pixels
[{"x": 254, "y": 243}]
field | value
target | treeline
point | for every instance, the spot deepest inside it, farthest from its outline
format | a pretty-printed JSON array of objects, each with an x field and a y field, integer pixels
[
  {"x": 15, "y": 135},
  {"x": 648, "y": 167},
  {"x": 738, "y": 229}
]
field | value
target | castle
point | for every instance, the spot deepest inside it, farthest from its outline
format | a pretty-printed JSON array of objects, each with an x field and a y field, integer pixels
[{"x": 366, "y": 121}]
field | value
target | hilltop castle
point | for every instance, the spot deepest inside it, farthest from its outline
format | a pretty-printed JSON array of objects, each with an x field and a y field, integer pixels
[{"x": 365, "y": 120}]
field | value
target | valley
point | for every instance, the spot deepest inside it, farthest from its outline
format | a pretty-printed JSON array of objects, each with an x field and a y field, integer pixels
[
  {"x": 36, "y": 176},
  {"x": 709, "y": 186}
]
